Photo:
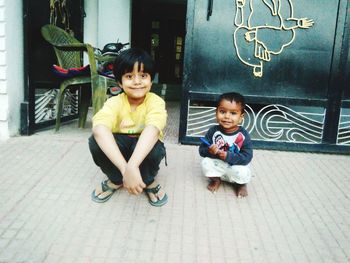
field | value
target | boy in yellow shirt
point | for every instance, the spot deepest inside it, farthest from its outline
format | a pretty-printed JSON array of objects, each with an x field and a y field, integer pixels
[{"x": 127, "y": 141}]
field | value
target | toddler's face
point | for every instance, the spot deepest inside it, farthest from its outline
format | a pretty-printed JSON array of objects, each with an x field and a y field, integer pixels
[
  {"x": 137, "y": 83},
  {"x": 229, "y": 115}
]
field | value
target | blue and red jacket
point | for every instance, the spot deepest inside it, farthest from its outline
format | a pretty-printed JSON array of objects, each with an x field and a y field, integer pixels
[{"x": 238, "y": 145}]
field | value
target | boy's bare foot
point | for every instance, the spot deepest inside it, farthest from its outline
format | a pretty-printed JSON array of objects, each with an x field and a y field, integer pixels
[
  {"x": 214, "y": 184},
  {"x": 242, "y": 190}
]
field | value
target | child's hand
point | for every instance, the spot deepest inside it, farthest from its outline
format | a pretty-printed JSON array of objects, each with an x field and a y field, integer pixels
[
  {"x": 132, "y": 180},
  {"x": 213, "y": 149},
  {"x": 222, "y": 155}
]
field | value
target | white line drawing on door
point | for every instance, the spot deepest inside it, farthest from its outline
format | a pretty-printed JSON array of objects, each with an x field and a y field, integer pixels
[{"x": 259, "y": 36}]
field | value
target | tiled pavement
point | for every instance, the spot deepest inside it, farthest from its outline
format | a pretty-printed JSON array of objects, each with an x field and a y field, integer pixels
[{"x": 298, "y": 208}]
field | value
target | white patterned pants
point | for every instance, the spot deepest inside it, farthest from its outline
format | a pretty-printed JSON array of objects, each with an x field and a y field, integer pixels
[{"x": 239, "y": 174}]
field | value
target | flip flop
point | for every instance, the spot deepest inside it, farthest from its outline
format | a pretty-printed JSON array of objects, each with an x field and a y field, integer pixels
[
  {"x": 105, "y": 188},
  {"x": 155, "y": 190}
]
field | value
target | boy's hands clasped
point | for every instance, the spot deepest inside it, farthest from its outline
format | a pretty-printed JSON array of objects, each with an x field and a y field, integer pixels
[{"x": 132, "y": 179}]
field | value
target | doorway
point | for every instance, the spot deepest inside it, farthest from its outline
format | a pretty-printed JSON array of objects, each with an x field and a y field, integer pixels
[{"x": 159, "y": 27}]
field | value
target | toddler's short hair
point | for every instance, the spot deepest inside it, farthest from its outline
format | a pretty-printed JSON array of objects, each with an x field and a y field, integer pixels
[
  {"x": 232, "y": 96},
  {"x": 126, "y": 60}
]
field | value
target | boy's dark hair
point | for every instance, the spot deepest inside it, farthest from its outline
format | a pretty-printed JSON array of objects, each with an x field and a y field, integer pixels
[
  {"x": 232, "y": 96},
  {"x": 126, "y": 60}
]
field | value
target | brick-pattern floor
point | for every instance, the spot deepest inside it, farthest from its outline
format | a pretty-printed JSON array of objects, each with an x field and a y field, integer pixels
[{"x": 298, "y": 208}]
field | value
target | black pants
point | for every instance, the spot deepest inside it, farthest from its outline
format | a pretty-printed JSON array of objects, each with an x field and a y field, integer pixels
[{"x": 148, "y": 168}]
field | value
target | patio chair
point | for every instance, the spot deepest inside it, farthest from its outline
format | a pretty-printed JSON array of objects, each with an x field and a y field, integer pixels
[{"x": 69, "y": 52}]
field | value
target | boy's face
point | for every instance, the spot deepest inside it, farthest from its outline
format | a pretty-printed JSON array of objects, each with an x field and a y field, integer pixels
[
  {"x": 136, "y": 84},
  {"x": 229, "y": 115}
]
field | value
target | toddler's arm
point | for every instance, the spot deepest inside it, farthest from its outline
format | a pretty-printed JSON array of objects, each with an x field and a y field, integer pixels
[
  {"x": 206, "y": 150},
  {"x": 244, "y": 156}
]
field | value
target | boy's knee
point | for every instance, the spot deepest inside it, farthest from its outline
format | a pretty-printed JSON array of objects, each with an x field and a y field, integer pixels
[
  {"x": 205, "y": 161},
  {"x": 92, "y": 142},
  {"x": 243, "y": 170},
  {"x": 240, "y": 174},
  {"x": 211, "y": 168},
  {"x": 209, "y": 162},
  {"x": 93, "y": 146},
  {"x": 157, "y": 153}
]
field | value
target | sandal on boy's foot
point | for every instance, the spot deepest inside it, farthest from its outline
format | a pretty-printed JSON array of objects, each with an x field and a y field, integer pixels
[
  {"x": 154, "y": 191},
  {"x": 105, "y": 189}
]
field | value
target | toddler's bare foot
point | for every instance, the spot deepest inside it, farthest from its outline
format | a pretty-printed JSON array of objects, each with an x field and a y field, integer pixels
[
  {"x": 242, "y": 190},
  {"x": 214, "y": 184}
]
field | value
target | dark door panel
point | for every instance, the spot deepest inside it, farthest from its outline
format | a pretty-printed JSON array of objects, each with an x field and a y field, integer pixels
[{"x": 289, "y": 58}]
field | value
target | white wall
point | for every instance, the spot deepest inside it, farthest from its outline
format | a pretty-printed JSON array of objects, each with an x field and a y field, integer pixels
[
  {"x": 106, "y": 21},
  {"x": 114, "y": 21},
  {"x": 91, "y": 22},
  {"x": 11, "y": 67},
  {"x": 90, "y": 25}
]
